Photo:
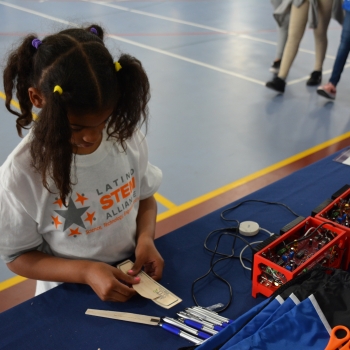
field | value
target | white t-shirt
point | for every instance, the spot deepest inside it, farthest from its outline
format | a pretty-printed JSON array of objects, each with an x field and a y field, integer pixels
[{"x": 99, "y": 222}]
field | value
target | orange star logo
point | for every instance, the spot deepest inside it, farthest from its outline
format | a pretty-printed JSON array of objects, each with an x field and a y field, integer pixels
[
  {"x": 56, "y": 221},
  {"x": 74, "y": 232},
  {"x": 59, "y": 202},
  {"x": 90, "y": 217},
  {"x": 81, "y": 199}
]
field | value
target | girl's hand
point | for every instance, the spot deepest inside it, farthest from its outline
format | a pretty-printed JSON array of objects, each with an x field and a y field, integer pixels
[
  {"x": 110, "y": 283},
  {"x": 148, "y": 257}
]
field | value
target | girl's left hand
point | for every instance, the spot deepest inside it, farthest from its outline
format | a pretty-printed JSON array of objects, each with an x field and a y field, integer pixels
[{"x": 148, "y": 257}]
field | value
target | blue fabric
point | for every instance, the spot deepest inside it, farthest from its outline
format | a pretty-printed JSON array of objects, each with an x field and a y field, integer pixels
[
  {"x": 346, "y": 5},
  {"x": 227, "y": 333},
  {"x": 254, "y": 325},
  {"x": 343, "y": 50},
  {"x": 301, "y": 328},
  {"x": 284, "y": 308}
]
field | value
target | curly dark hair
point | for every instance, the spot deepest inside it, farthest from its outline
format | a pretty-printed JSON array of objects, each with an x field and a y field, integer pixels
[{"x": 79, "y": 62}]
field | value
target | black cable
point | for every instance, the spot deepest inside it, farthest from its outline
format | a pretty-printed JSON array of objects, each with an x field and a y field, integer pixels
[
  {"x": 211, "y": 269},
  {"x": 254, "y": 200},
  {"x": 228, "y": 229},
  {"x": 225, "y": 257},
  {"x": 230, "y": 234},
  {"x": 310, "y": 234}
]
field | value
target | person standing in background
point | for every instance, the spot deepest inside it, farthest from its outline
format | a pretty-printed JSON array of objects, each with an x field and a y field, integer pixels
[
  {"x": 318, "y": 13},
  {"x": 329, "y": 90}
]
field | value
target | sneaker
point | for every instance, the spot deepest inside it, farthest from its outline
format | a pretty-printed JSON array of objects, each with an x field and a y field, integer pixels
[
  {"x": 327, "y": 91},
  {"x": 315, "y": 78},
  {"x": 275, "y": 66},
  {"x": 276, "y": 84}
]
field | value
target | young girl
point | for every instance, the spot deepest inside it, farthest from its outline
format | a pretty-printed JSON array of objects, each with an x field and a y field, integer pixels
[{"x": 76, "y": 195}]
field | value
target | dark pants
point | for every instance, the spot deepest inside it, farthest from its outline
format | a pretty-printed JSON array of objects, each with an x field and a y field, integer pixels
[{"x": 343, "y": 51}]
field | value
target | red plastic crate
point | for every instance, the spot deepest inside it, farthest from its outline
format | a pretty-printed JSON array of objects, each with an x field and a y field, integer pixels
[
  {"x": 342, "y": 222},
  {"x": 327, "y": 248}
]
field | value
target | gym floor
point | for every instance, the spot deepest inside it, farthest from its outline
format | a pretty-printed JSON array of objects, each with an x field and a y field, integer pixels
[{"x": 215, "y": 130}]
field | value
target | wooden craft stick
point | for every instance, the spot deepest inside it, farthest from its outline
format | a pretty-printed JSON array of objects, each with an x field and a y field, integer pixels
[
  {"x": 151, "y": 289},
  {"x": 124, "y": 316}
]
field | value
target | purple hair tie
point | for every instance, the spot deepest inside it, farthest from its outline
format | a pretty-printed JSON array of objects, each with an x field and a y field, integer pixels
[
  {"x": 36, "y": 43},
  {"x": 93, "y": 30}
]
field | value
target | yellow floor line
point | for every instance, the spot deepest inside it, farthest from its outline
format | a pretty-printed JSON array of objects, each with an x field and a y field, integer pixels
[
  {"x": 11, "y": 282},
  {"x": 163, "y": 201},
  {"x": 244, "y": 180},
  {"x": 14, "y": 103}
]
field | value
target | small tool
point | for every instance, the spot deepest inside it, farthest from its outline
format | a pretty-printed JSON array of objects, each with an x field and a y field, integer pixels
[
  {"x": 197, "y": 323},
  {"x": 206, "y": 317},
  {"x": 212, "y": 314},
  {"x": 338, "y": 340},
  {"x": 186, "y": 328}
]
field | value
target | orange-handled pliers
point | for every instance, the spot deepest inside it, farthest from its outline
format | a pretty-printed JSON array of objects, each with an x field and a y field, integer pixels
[{"x": 339, "y": 341}]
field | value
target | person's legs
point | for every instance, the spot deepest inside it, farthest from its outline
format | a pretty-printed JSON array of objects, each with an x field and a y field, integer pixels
[
  {"x": 296, "y": 29},
  {"x": 343, "y": 51},
  {"x": 329, "y": 90},
  {"x": 281, "y": 42},
  {"x": 282, "y": 38},
  {"x": 320, "y": 33},
  {"x": 297, "y": 24},
  {"x": 321, "y": 42},
  {"x": 282, "y": 34}
]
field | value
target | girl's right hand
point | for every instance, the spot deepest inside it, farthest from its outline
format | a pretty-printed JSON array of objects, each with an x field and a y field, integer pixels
[{"x": 110, "y": 283}]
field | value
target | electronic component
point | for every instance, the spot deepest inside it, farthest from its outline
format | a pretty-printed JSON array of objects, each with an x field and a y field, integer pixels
[
  {"x": 311, "y": 242},
  {"x": 338, "y": 212},
  {"x": 301, "y": 253}
]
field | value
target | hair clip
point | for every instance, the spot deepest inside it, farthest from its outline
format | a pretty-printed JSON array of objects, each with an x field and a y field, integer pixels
[
  {"x": 94, "y": 31},
  {"x": 58, "y": 89},
  {"x": 36, "y": 43},
  {"x": 118, "y": 66}
]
